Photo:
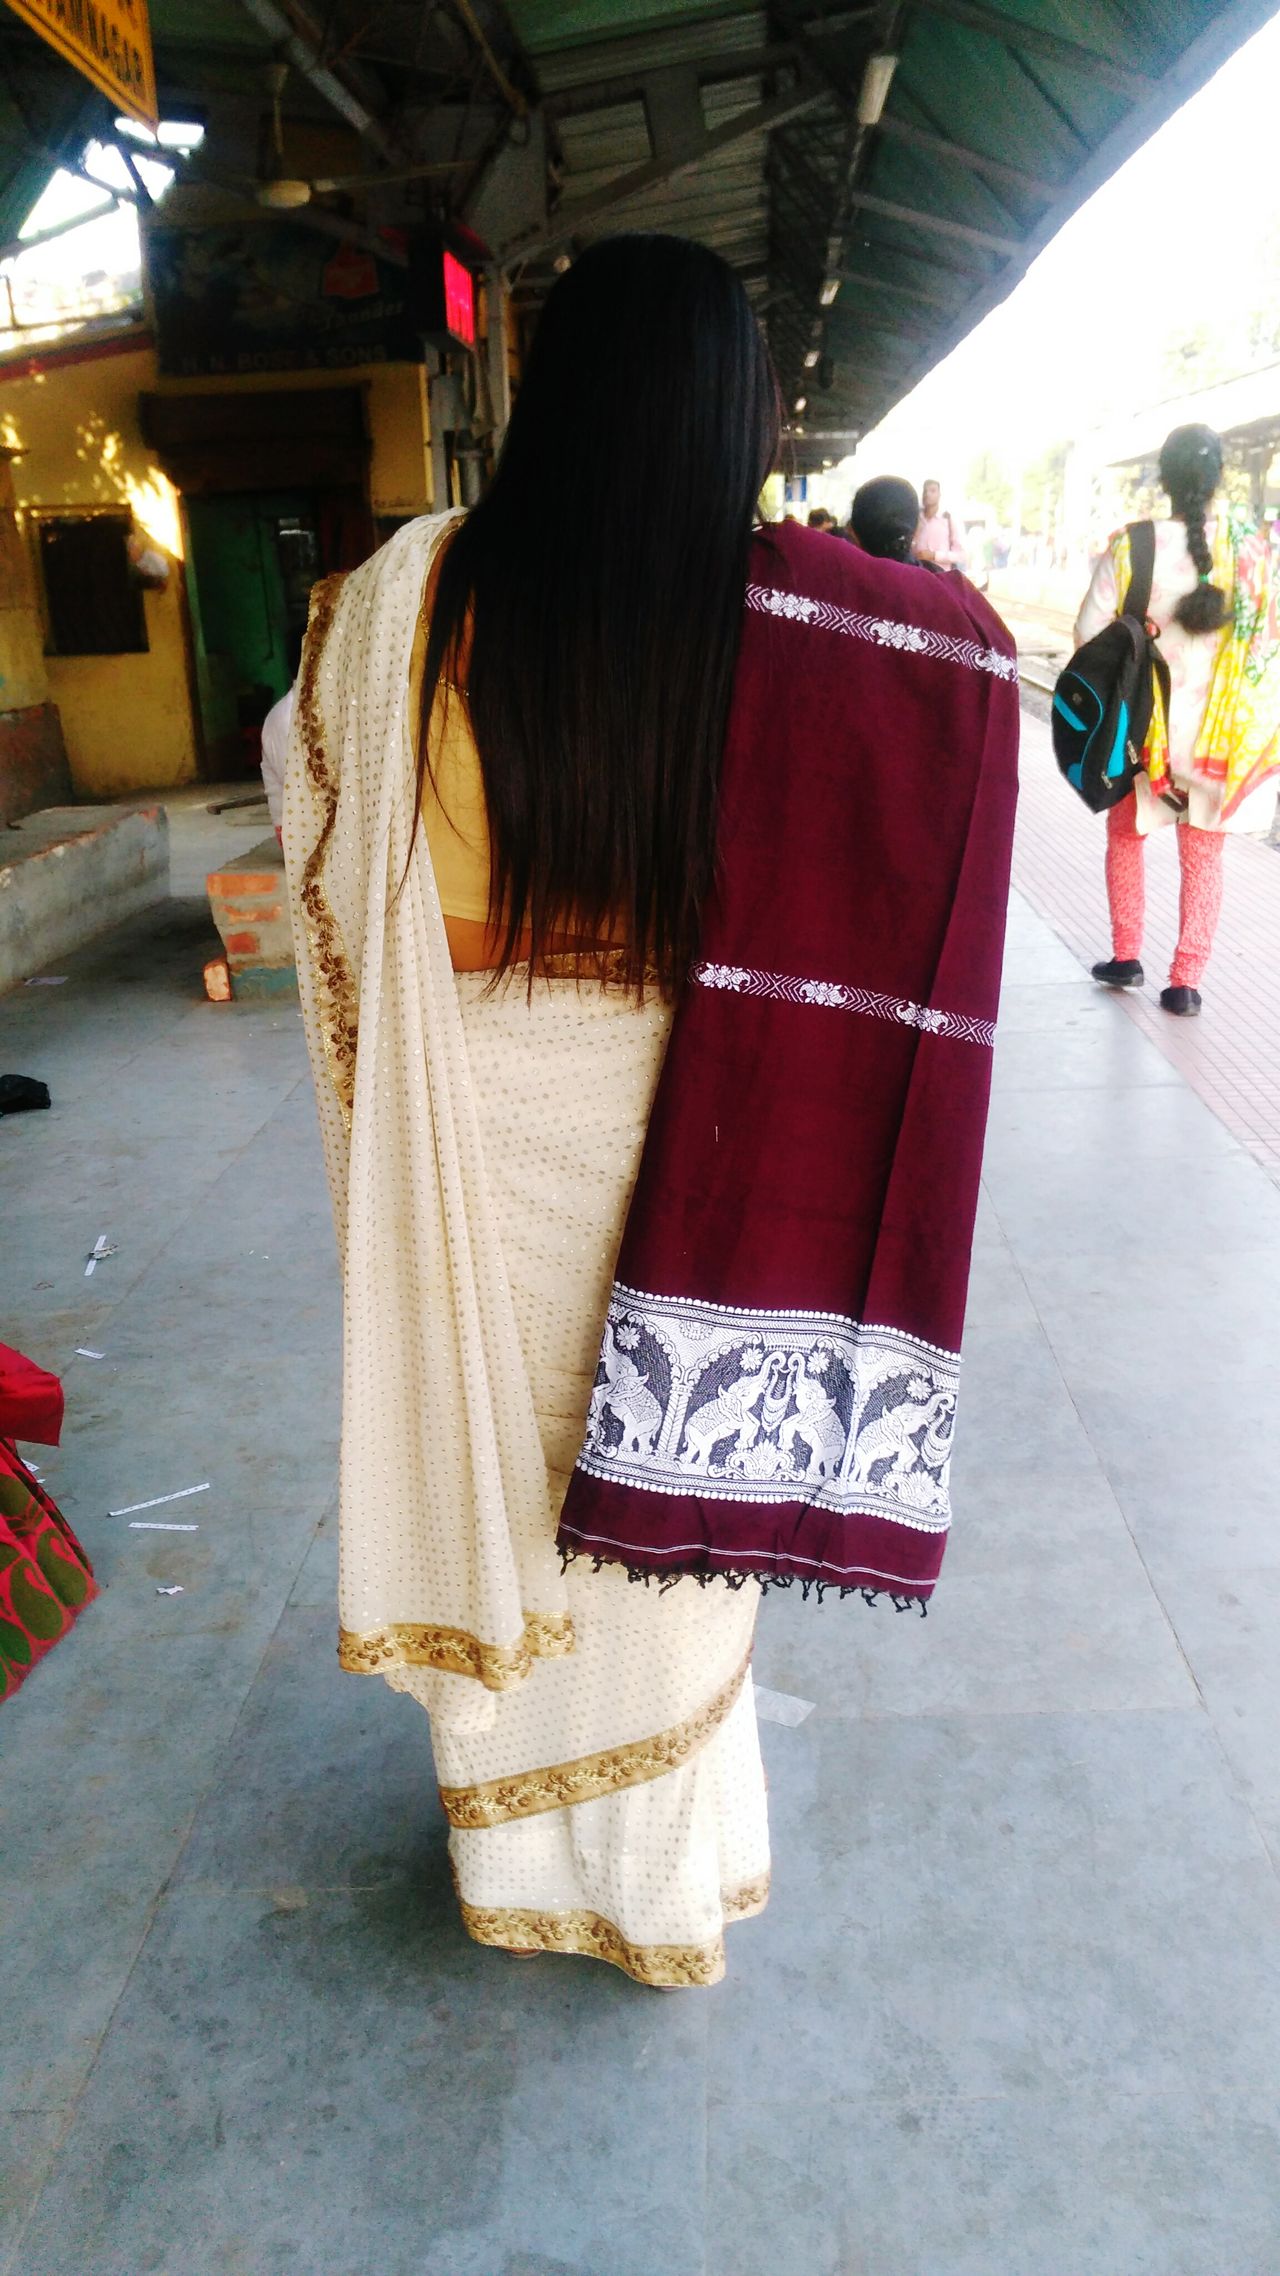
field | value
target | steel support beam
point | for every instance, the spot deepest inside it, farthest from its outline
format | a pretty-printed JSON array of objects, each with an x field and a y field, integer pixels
[
  {"x": 511, "y": 95},
  {"x": 898, "y": 290},
  {"x": 1013, "y": 34},
  {"x": 842, "y": 20},
  {"x": 974, "y": 161},
  {"x": 624, "y": 86},
  {"x": 298, "y": 41},
  {"x": 673, "y": 109},
  {"x": 571, "y": 218},
  {"x": 1007, "y": 248}
]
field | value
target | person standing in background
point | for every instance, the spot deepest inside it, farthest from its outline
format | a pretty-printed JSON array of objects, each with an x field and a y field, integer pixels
[
  {"x": 884, "y": 518},
  {"x": 937, "y": 538},
  {"x": 275, "y": 745},
  {"x": 1211, "y": 767}
]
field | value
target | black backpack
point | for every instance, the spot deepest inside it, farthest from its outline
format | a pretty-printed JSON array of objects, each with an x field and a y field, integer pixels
[{"x": 1103, "y": 699}]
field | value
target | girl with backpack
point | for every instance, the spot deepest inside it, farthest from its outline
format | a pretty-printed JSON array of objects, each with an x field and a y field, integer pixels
[{"x": 1210, "y": 766}]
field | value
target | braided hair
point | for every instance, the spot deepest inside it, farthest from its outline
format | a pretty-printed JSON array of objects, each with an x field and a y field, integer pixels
[
  {"x": 884, "y": 515},
  {"x": 1191, "y": 469}
]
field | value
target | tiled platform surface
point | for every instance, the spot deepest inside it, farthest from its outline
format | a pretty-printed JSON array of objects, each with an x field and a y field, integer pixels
[
  {"x": 1014, "y": 2009},
  {"x": 1231, "y": 1054}
]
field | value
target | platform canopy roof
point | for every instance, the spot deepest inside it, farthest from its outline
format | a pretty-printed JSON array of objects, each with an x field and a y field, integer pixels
[{"x": 875, "y": 209}]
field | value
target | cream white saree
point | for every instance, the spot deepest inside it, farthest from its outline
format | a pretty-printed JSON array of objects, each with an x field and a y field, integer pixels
[{"x": 595, "y": 1741}]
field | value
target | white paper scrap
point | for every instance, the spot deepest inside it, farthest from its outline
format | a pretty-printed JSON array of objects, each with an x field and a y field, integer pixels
[
  {"x": 781, "y": 1706},
  {"x": 83, "y": 1352},
  {"x": 176, "y": 1590},
  {"x": 102, "y": 1247},
  {"x": 48, "y": 980},
  {"x": 183, "y": 1494},
  {"x": 157, "y": 1525}
]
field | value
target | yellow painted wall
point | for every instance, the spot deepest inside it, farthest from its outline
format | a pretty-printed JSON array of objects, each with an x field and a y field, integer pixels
[
  {"x": 126, "y": 719},
  {"x": 24, "y": 681}
]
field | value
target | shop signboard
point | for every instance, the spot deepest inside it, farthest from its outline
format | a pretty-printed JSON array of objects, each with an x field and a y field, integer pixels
[
  {"x": 264, "y": 295},
  {"x": 108, "y": 41},
  {"x": 267, "y": 295}
]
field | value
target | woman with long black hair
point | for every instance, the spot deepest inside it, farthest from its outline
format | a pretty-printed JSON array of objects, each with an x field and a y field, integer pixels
[
  {"x": 651, "y": 1035},
  {"x": 1210, "y": 767}
]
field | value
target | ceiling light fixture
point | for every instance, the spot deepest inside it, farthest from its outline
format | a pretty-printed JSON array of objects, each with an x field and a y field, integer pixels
[
  {"x": 873, "y": 94},
  {"x": 811, "y": 359},
  {"x": 830, "y": 287},
  {"x": 801, "y": 401}
]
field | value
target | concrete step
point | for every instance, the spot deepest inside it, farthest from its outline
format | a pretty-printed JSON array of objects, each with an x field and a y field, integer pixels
[
  {"x": 69, "y": 872},
  {"x": 248, "y": 904}
]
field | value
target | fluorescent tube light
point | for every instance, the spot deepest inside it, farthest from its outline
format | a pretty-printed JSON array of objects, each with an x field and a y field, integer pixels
[{"x": 873, "y": 94}]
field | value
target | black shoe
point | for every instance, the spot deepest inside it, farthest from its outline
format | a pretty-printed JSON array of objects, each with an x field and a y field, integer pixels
[
  {"x": 1119, "y": 972},
  {"x": 1183, "y": 1002}
]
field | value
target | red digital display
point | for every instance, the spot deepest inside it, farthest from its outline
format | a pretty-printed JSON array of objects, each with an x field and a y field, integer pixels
[{"x": 459, "y": 301}]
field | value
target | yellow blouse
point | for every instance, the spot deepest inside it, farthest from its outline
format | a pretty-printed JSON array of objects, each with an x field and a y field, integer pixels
[{"x": 454, "y": 814}]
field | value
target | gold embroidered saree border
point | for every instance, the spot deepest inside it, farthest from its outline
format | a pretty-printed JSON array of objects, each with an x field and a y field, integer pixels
[
  {"x": 750, "y": 1898},
  {"x": 499, "y": 1667},
  {"x": 558, "y": 1786},
  {"x": 339, "y": 1006},
  {"x": 589, "y": 1936}
]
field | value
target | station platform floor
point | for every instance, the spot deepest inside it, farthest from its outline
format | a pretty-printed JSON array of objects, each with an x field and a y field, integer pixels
[{"x": 1014, "y": 2007}]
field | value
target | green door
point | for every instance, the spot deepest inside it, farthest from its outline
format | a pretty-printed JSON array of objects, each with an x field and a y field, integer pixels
[{"x": 252, "y": 561}]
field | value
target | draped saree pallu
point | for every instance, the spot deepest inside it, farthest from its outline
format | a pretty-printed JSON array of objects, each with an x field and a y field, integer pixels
[
  {"x": 595, "y": 1742},
  {"x": 776, "y": 1392}
]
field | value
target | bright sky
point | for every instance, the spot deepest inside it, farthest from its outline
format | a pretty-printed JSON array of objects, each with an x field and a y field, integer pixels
[
  {"x": 1059, "y": 355},
  {"x": 111, "y": 243}
]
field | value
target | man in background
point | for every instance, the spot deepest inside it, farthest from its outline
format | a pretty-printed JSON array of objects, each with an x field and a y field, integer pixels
[{"x": 937, "y": 539}]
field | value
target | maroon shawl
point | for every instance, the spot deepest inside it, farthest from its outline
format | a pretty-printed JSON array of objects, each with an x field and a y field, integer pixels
[{"x": 777, "y": 1382}]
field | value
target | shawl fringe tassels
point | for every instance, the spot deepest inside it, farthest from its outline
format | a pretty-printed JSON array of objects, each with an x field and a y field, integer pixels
[{"x": 704, "y": 1576}]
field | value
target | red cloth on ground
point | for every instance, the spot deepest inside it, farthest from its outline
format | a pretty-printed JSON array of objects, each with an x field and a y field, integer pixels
[
  {"x": 31, "y": 1400},
  {"x": 45, "y": 1576},
  {"x": 777, "y": 1381}
]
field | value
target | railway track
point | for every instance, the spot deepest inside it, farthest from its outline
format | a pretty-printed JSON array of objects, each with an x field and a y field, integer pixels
[{"x": 1044, "y": 641}]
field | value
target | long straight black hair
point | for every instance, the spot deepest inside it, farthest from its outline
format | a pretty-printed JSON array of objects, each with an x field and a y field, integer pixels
[{"x": 591, "y": 605}]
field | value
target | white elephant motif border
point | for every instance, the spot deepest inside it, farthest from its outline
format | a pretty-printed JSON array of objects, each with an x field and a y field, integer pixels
[{"x": 772, "y": 1407}]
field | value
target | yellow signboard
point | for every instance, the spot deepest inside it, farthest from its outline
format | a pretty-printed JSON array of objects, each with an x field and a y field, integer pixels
[{"x": 108, "y": 40}]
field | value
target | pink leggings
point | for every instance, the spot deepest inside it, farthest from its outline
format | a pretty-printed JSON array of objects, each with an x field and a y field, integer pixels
[{"x": 1200, "y": 855}]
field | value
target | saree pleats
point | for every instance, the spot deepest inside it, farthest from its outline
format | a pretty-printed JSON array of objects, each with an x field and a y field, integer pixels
[{"x": 613, "y": 1804}]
